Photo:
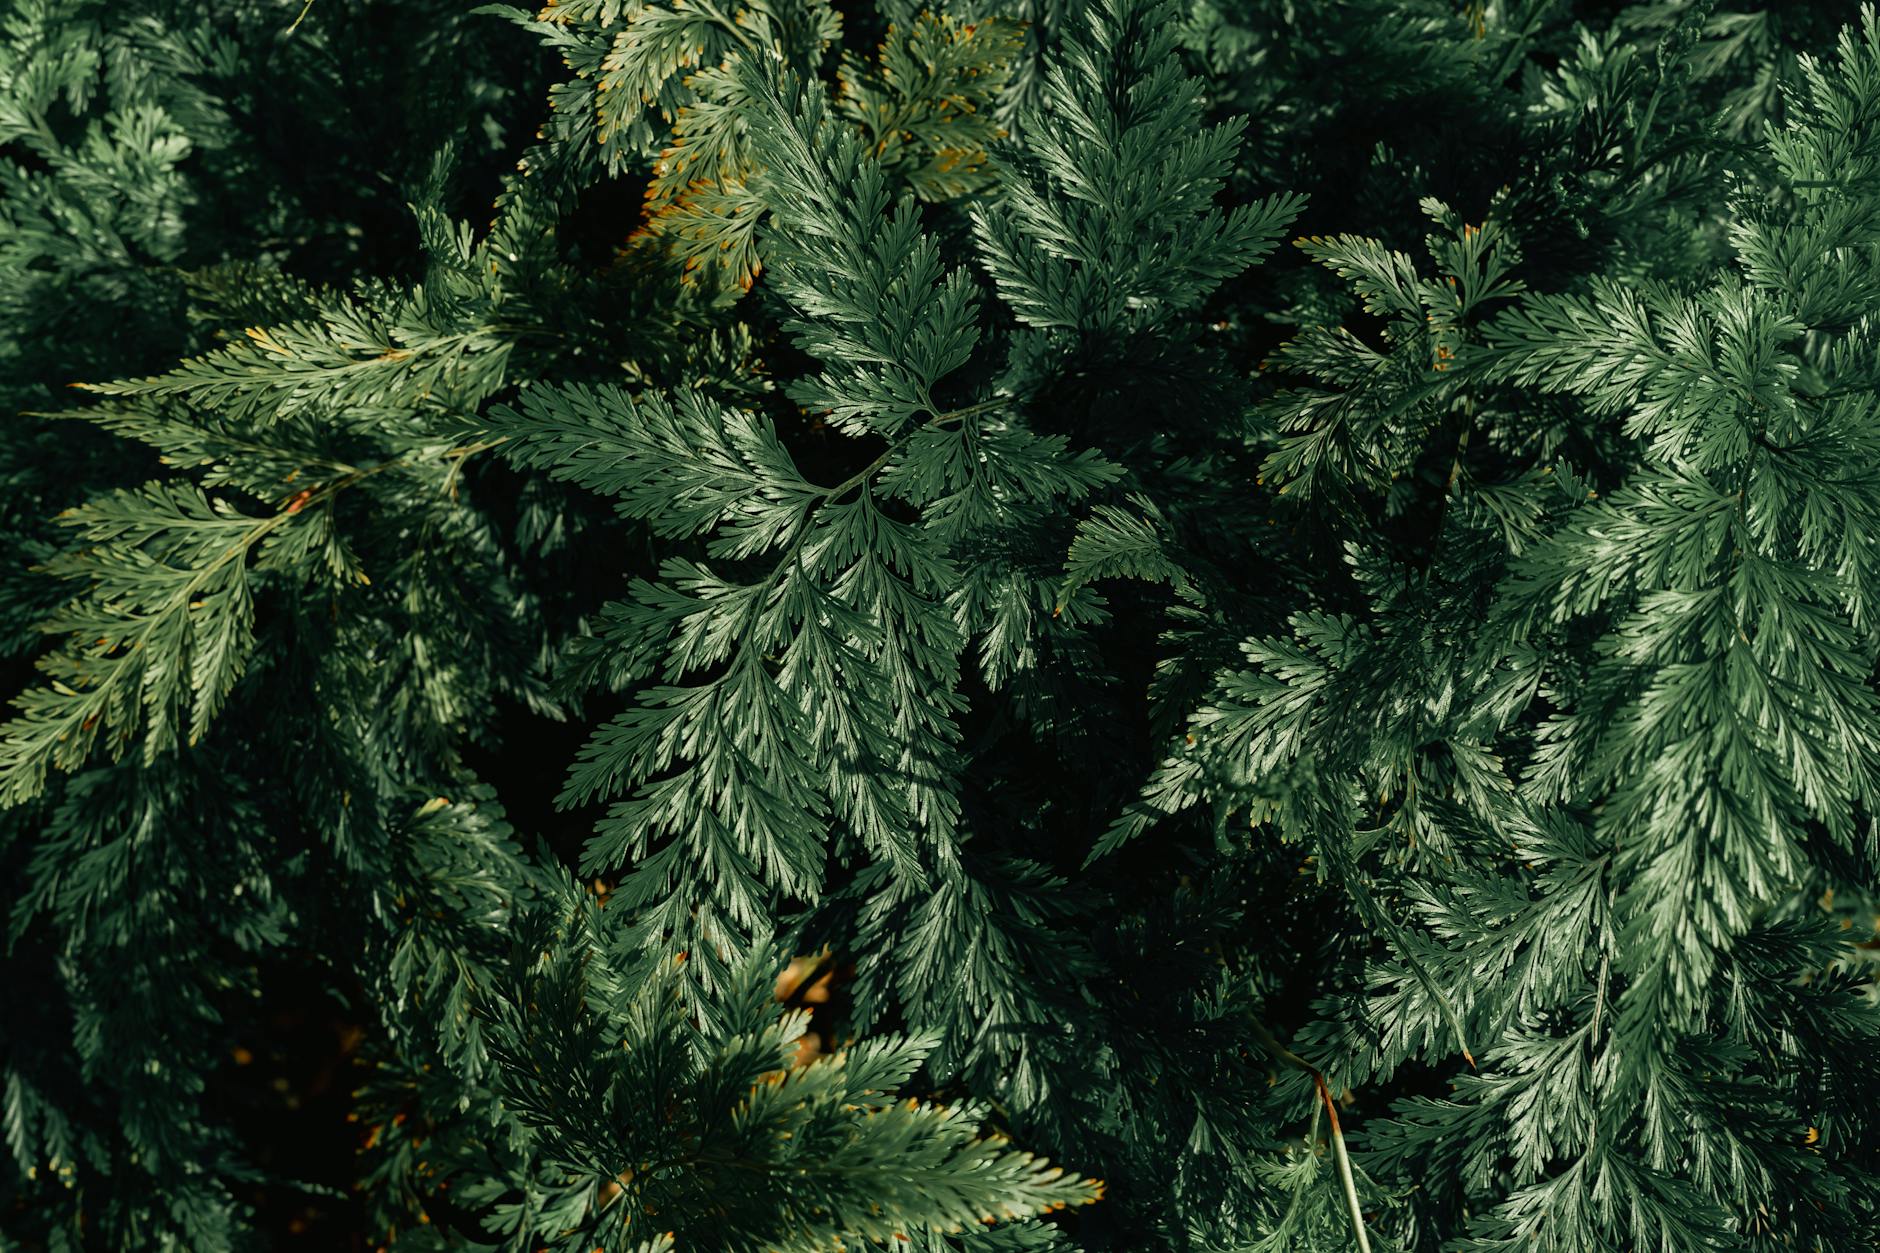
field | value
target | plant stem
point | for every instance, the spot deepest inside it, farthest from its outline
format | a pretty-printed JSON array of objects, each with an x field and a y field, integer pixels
[
  {"x": 1343, "y": 1159},
  {"x": 1345, "y": 1179}
]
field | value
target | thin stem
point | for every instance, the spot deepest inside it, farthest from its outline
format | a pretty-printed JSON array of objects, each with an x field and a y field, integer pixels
[
  {"x": 457, "y": 456},
  {"x": 939, "y": 420},
  {"x": 1517, "y": 46},
  {"x": 1343, "y": 1159},
  {"x": 737, "y": 32},
  {"x": 985, "y": 406},
  {"x": 1368, "y": 907},
  {"x": 1599, "y": 997},
  {"x": 1345, "y": 1178},
  {"x": 95, "y": 696},
  {"x": 822, "y": 496}
]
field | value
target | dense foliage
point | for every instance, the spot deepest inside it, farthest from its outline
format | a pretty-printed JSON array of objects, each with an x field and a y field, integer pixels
[{"x": 787, "y": 625}]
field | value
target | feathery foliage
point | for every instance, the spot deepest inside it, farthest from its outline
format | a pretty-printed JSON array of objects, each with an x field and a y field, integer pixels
[{"x": 864, "y": 649}]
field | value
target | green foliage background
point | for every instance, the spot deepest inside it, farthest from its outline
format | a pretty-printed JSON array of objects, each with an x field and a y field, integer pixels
[{"x": 1275, "y": 599}]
